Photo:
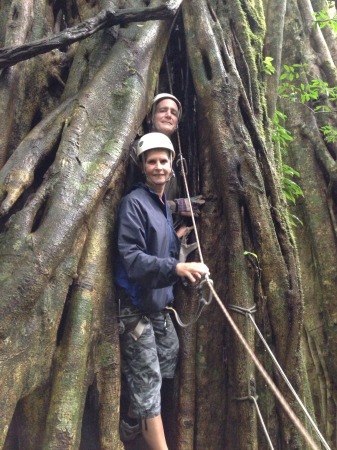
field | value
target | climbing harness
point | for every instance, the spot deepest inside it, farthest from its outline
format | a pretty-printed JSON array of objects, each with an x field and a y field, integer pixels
[{"x": 136, "y": 327}]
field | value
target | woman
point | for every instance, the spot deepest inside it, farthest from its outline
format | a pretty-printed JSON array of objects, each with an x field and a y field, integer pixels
[{"x": 147, "y": 269}]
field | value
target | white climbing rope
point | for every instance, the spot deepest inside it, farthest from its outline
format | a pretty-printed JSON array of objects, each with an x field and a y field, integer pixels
[
  {"x": 248, "y": 313},
  {"x": 259, "y": 366},
  {"x": 262, "y": 422},
  {"x": 265, "y": 375}
]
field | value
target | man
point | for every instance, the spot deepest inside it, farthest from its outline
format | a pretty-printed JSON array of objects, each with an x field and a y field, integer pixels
[
  {"x": 166, "y": 111},
  {"x": 148, "y": 266},
  {"x": 164, "y": 116}
]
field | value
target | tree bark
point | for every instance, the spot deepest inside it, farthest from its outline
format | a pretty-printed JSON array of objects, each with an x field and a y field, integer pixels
[
  {"x": 104, "y": 19},
  {"x": 244, "y": 175},
  {"x": 67, "y": 119},
  {"x": 56, "y": 218}
]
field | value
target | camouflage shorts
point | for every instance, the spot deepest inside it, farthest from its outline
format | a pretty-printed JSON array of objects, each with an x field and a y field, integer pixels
[{"x": 146, "y": 361}]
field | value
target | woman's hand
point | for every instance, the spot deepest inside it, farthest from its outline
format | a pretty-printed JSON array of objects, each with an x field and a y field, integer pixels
[{"x": 193, "y": 271}]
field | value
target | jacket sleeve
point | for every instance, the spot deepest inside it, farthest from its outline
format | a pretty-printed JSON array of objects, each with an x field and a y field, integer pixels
[{"x": 147, "y": 270}]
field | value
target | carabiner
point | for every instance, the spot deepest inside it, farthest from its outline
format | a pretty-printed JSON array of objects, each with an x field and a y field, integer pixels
[
  {"x": 201, "y": 287},
  {"x": 181, "y": 161}
]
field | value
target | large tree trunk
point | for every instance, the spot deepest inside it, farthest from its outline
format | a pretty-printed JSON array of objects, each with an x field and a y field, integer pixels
[
  {"x": 236, "y": 153},
  {"x": 316, "y": 238},
  {"x": 51, "y": 265},
  {"x": 67, "y": 120}
]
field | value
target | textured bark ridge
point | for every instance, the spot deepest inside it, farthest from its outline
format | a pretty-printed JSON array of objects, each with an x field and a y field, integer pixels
[
  {"x": 59, "y": 191},
  {"x": 104, "y": 19},
  {"x": 67, "y": 118},
  {"x": 237, "y": 157}
]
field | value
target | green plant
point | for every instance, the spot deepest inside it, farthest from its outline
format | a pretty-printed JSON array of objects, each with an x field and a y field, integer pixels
[
  {"x": 267, "y": 66},
  {"x": 329, "y": 133},
  {"x": 290, "y": 188},
  {"x": 312, "y": 91},
  {"x": 252, "y": 254},
  {"x": 281, "y": 135},
  {"x": 308, "y": 94},
  {"x": 325, "y": 18},
  {"x": 294, "y": 220}
]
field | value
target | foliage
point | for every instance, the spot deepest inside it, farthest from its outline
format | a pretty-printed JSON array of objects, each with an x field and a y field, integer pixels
[
  {"x": 316, "y": 89},
  {"x": 290, "y": 188},
  {"x": 315, "y": 93},
  {"x": 282, "y": 136},
  {"x": 246, "y": 252},
  {"x": 323, "y": 18},
  {"x": 330, "y": 133},
  {"x": 268, "y": 67}
]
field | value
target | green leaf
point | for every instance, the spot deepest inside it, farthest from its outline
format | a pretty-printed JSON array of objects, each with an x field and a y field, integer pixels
[
  {"x": 290, "y": 197},
  {"x": 289, "y": 170},
  {"x": 294, "y": 220},
  {"x": 252, "y": 254}
]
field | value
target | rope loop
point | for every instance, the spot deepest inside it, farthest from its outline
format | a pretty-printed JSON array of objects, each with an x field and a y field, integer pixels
[
  {"x": 192, "y": 321},
  {"x": 253, "y": 399},
  {"x": 244, "y": 311},
  {"x": 202, "y": 303},
  {"x": 202, "y": 290}
]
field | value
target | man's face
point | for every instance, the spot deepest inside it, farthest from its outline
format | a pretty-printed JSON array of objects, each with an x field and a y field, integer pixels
[{"x": 165, "y": 117}]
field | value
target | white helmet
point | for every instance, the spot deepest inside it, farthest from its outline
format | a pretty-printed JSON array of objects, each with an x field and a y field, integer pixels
[
  {"x": 154, "y": 141},
  {"x": 164, "y": 95}
]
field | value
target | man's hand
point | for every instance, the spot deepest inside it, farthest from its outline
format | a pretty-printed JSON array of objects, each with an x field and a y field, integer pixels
[
  {"x": 181, "y": 206},
  {"x": 193, "y": 271}
]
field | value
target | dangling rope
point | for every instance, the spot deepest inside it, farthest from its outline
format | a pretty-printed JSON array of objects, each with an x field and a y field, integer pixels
[
  {"x": 202, "y": 302},
  {"x": 182, "y": 164}
]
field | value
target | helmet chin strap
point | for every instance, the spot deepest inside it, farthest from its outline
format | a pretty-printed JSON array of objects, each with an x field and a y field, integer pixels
[{"x": 172, "y": 175}]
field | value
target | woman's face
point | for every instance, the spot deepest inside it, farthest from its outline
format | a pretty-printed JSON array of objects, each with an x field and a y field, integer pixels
[{"x": 157, "y": 167}]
